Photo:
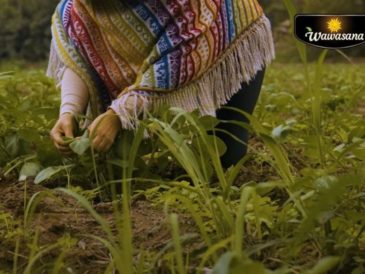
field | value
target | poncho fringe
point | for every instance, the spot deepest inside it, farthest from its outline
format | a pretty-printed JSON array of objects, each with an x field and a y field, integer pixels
[{"x": 252, "y": 51}]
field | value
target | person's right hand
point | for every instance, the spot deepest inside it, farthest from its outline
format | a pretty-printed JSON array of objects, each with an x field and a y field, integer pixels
[{"x": 64, "y": 127}]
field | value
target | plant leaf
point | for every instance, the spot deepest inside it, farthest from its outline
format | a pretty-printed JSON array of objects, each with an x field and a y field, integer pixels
[
  {"x": 29, "y": 169},
  {"x": 324, "y": 265},
  {"x": 230, "y": 263},
  {"x": 48, "y": 173},
  {"x": 80, "y": 145}
]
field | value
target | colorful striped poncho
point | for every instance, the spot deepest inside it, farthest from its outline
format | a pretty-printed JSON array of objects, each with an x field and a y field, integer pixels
[{"x": 192, "y": 54}]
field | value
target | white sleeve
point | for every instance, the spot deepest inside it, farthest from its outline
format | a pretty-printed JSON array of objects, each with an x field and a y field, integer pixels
[{"x": 74, "y": 93}]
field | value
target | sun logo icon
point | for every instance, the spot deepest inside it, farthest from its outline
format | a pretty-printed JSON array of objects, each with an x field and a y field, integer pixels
[{"x": 334, "y": 25}]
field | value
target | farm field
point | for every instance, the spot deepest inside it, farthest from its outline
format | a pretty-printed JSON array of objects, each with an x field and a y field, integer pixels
[{"x": 294, "y": 204}]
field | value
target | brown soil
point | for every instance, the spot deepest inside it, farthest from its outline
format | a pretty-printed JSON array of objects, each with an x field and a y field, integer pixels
[{"x": 56, "y": 216}]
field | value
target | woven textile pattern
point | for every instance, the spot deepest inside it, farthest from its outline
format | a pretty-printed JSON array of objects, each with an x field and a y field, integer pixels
[{"x": 160, "y": 51}]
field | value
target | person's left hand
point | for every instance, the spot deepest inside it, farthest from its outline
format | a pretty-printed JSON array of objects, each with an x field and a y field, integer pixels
[{"x": 103, "y": 130}]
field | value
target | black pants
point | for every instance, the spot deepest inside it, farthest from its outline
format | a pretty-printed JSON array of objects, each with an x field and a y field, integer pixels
[{"x": 245, "y": 99}]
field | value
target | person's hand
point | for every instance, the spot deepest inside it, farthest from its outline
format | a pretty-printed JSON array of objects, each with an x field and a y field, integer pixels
[
  {"x": 103, "y": 130},
  {"x": 64, "y": 127}
]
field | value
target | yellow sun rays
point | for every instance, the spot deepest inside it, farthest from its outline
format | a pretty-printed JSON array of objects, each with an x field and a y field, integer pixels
[{"x": 334, "y": 25}]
